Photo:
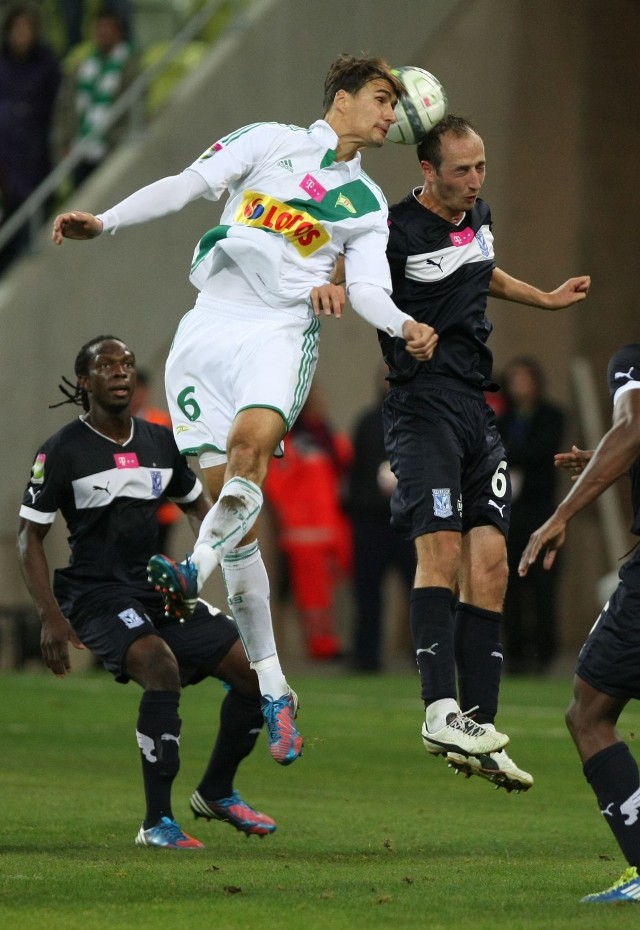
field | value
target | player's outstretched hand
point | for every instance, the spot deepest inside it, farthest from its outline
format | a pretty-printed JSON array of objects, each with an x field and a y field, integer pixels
[
  {"x": 328, "y": 299},
  {"x": 575, "y": 461},
  {"x": 75, "y": 225},
  {"x": 421, "y": 339},
  {"x": 569, "y": 293},
  {"x": 552, "y": 535}
]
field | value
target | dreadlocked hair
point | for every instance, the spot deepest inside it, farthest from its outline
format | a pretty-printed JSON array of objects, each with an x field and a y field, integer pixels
[{"x": 73, "y": 392}]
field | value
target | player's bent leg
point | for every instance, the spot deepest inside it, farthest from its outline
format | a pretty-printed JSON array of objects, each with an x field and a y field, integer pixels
[{"x": 592, "y": 718}]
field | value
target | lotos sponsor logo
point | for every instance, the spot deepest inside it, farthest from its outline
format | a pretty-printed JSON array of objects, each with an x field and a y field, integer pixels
[{"x": 305, "y": 233}]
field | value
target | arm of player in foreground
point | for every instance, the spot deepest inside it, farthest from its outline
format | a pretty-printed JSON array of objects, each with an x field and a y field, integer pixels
[
  {"x": 612, "y": 458},
  {"x": 56, "y": 633}
]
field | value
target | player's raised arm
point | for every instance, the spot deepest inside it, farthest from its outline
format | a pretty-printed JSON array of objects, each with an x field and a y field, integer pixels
[{"x": 505, "y": 287}]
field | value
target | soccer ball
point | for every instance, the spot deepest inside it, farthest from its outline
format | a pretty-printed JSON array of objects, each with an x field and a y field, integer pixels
[{"x": 424, "y": 105}]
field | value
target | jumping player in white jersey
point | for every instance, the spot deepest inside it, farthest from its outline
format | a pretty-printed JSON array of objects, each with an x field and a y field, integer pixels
[{"x": 242, "y": 360}]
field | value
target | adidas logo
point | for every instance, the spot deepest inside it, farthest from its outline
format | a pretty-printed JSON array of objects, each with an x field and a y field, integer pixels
[{"x": 286, "y": 163}]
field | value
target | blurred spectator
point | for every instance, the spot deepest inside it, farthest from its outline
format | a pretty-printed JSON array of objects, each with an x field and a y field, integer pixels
[
  {"x": 532, "y": 431},
  {"x": 29, "y": 80},
  {"x": 377, "y": 549},
  {"x": 89, "y": 91},
  {"x": 303, "y": 489},
  {"x": 73, "y": 13},
  {"x": 168, "y": 513}
]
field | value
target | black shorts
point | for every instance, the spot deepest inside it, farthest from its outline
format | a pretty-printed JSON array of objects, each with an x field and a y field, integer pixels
[
  {"x": 446, "y": 452},
  {"x": 110, "y": 623},
  {"x": 610, "y": 658}
]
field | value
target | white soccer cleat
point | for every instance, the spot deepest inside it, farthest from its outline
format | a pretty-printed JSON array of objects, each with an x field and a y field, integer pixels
[
  {"x": 499, "y": 769},
  {"x": 461, "y": 735}
]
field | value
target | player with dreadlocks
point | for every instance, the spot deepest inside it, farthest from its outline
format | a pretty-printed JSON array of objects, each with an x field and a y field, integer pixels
[{"x": 106, "y": 473}]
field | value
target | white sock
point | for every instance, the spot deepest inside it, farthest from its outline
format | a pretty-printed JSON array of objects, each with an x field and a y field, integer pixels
[
  {"x": 230, "y": 518},
  {"x": 248, "y": 589},
  {"x": 270, "y": 677},
  {"x": 437, "y": 713}
]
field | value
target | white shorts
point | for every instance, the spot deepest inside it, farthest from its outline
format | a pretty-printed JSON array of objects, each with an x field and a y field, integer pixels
[{"x": 226, "y": 359}]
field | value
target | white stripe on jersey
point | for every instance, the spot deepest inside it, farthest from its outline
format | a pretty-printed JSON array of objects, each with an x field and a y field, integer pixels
[
  {"x": 102, "y": 488},
  {"x": 434, "y": 266},
  {"x": 629, "y": 386}
]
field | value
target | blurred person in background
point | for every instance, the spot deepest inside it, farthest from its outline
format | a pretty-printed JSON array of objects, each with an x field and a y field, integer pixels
[
  {"x": 73, "y": 14},
  {"x": 89, "y": 91},
  {"x": 313, "y": 533},
  {"x": 377, "y": 548},
  {"x": 29, "y": 81},
  {"x": 532, "y": 430}
]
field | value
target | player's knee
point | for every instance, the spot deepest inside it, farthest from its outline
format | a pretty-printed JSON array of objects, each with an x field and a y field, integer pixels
[{"x": 151, "y": 663}]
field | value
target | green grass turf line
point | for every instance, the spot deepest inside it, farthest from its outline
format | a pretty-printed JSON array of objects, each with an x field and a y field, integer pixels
[{"x": 372, "y": 832}]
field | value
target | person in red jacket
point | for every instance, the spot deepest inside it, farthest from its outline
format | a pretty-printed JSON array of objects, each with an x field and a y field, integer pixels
[{"x": 313, "y": 532}]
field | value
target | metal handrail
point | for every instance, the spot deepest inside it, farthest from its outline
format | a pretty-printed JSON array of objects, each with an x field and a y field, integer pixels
[{"x": 31, "y": 213}]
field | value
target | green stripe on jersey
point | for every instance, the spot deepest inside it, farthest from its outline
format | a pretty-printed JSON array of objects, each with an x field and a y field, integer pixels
[
  {"x": 207, "y": 242},
  {"x": 340, "y": 203}
]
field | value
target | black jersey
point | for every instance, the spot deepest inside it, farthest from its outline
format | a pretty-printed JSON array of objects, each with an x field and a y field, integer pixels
[
  {"x": 108, "y": 495},
  {"x": 441, "y": 274},
  {"x": 623, "y": 374}
]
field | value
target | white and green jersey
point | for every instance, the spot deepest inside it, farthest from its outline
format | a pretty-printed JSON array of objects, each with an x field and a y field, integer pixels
[{"x": 292, "y": 209}]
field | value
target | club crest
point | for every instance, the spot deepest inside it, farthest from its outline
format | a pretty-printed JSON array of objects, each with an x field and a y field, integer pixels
[{"x": 442, "y": 502}]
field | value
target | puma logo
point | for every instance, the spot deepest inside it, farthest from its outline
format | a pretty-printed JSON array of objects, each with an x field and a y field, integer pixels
[
  {"x": 430, "y": 649},
  {"x": 630, "y": 808},
  {"x": 498, "y": 507}
]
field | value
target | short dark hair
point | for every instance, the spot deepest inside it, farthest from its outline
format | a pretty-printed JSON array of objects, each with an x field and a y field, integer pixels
[
  {"x": 430, "y": 147},
  {"x": 351, "y": 74}
]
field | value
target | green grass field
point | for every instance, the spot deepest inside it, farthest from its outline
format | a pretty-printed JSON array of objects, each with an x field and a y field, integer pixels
[{"x": 372, "y": 832}]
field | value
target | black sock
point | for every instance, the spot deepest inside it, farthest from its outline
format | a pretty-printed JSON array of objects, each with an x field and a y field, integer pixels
[
  {"x": 613, "y": 775},
  {"x": 158, "y": 734},
  {"x": 431, "y": 619},
  {"x": 240, "y": 723},
  {"x": 478, "y": 652}
]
